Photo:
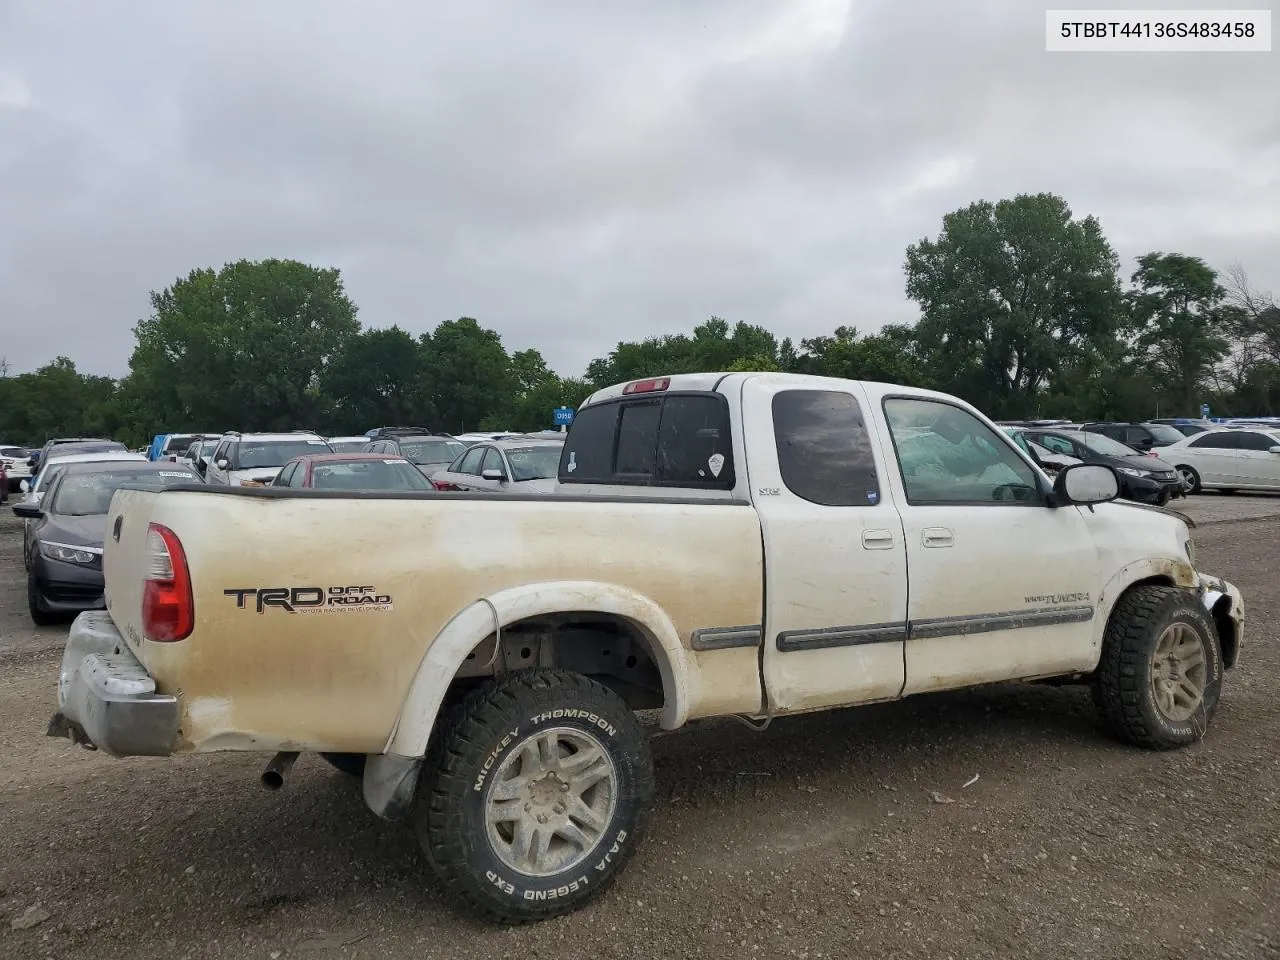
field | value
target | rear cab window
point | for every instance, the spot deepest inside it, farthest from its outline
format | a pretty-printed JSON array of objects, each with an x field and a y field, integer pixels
[{"x": 679, "y": 440}]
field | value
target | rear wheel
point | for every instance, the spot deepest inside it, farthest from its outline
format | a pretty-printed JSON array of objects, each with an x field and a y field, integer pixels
[
  {"x": 39, "y": 616},
  {"x": 534, "y": 795},
  {"x": 1160, "y": 675},
  {"x": 1190, "y": 479}
]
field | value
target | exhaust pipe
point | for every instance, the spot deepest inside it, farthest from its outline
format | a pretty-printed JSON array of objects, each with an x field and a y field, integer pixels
[{"x": 278, "y": 769}]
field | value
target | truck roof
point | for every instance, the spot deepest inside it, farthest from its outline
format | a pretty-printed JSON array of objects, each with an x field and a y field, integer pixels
[{"x": 707, "y": 382}]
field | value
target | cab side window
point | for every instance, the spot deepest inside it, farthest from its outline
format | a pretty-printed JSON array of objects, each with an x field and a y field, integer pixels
[
  {"x": 493, "y": 461},
  {"x": 285, "y": 476},
  {"x": 946, "y": 455},
  {"x": 824, "y": 450},
  {"x": 1217, "y": 440}
]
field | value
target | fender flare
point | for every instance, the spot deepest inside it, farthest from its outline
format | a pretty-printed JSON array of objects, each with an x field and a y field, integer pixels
[
  {"x": 1179, "y": 572},
  {"x": 471, "y": 625}
]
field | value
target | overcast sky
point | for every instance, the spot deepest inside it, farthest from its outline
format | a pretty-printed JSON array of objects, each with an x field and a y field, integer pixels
[{"x": 575, "y": 172}]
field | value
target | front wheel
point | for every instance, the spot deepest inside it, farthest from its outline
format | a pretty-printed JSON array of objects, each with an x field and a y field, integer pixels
[
  {"x": 534, "y": 795},
  {"x": 39, "y": 616},
  {"x": 1160, "y": 675}
]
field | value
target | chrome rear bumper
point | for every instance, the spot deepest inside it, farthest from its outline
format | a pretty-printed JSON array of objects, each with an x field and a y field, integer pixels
[{"x": 106, "y": 698}]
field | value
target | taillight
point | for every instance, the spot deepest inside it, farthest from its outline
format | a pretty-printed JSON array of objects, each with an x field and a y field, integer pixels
[
  {"x": 443, "y": 485},
  {"x": 168, "y": 611}
]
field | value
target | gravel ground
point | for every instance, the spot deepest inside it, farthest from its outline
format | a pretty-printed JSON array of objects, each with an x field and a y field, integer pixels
[{"x": 817, "y": 838}]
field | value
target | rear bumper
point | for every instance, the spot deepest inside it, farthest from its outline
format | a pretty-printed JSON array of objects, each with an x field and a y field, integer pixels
[{"x": 106, "y": 698}]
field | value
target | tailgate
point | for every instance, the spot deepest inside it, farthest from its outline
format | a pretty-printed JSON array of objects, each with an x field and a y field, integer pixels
[{"x": 124, "y": 561}]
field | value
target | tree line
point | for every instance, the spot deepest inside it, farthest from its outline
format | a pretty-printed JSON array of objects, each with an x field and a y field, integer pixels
[{"x": 1023, "y": 312}]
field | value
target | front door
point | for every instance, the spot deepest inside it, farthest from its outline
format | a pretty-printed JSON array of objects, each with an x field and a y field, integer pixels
[
  {"x": 835, "y": 564},
  {"x": 1002, "y": 586}
]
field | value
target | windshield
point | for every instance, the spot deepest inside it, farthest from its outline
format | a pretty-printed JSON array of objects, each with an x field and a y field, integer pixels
[
  {"x": 349, "y": 446},
  {"x": 89, "y": 494},
  {"x": 1164, "y": 433},
  {"x": 255, "y": 454},
  {"x": 534, "y": 463},
  {"x": 379, "y": 473},
  {"x": 1105, "y": 446},
  {"x": 432, "y": 451}
]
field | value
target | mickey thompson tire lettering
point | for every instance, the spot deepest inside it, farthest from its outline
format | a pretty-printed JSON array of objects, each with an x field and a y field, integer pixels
[
  {"x": 481, "y": 734},
  {"x": 1123, "y": 686}
]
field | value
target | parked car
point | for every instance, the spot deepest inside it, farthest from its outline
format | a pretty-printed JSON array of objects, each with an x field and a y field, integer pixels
[
  {"x": 1228, "y": 460},
  {"x": 173, "y": 446},
  {"x": 1188, "y": 426},
  {"x": 1143, "y": 478},
  {"x": 1140, "y": 436},
  {"x": 351, "y": 471},
  {"x": 199, "y": 453},
  {"x": 796, "y": 543},
  {"x": 62, "y": 542},
  {"x": 347, "y": 444},
  {"x": 13, "y": 461},
  {"x": 256, "y": 458},
  {"x": 34, "y": 489},
  {"x": 1048, "y": 460},
  {"x": 429, "y": 452},
  {"x": 76, "y": 444},
  {"x": 516, "y": 465}
]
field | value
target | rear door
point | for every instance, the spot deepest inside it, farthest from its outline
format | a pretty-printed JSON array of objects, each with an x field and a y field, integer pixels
[
  {"x": 1258, "y": 466},
  {"x": 835, "y": 560}
]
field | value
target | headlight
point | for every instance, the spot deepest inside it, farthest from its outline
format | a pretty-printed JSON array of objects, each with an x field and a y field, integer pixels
[
  {"x": 68, "y": 553},
  {"x": 1133, "y": 473}
]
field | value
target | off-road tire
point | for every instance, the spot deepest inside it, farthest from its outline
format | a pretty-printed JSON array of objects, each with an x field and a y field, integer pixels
[
  {"x": 1122, "y": 686},
  {"x": 39, "y": 616},
  {"x": 490, "y": 723},
  {"x": 348, "y": 763}
]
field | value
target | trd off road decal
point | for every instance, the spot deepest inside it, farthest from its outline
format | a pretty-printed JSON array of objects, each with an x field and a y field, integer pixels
[{"x": 310, "y": 599}]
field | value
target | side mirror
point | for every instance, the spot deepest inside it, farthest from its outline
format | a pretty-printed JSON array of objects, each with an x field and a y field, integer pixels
[
  {"x": 24, "y": 486},
  {"x": 1275, "y": 450},
  {"x": 26, "y": 509},
  {"x": 494, "y": 475},
  {"x": 1085, "y": 484},
  {"x": 222, "y": 463}
]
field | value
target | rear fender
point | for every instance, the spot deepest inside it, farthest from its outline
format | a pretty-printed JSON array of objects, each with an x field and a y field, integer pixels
[{"x": 447, "y": 653}]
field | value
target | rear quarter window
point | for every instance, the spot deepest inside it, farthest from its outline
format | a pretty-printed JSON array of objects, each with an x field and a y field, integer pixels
[{"x": 674, "y": 440}]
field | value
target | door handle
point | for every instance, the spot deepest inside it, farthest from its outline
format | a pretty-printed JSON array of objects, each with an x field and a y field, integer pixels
[
  {"x": 877, "y": 539},
  {"x": 937, "y": 537}
]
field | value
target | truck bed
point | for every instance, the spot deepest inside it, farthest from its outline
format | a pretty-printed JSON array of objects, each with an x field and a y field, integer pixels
[{"x": 255, "y": 674}]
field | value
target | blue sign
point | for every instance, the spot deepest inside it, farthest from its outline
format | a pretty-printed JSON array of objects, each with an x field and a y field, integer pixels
[
  {"x": 563, "y": 416},
  {"x": 1204, "y": 411}
]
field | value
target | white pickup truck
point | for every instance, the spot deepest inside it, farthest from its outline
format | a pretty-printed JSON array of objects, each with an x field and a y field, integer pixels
[{"x": 740, "y": 544}]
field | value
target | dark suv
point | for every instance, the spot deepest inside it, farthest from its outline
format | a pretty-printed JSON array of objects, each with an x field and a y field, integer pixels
[{"x": 1140, "y": 436}]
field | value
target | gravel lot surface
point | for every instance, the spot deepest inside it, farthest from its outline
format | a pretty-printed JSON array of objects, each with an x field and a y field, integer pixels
[{"x": 818, "y": 838}]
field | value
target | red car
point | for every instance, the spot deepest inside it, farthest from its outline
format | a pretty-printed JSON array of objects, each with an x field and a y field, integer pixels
[{"x": 351, "y": 471}]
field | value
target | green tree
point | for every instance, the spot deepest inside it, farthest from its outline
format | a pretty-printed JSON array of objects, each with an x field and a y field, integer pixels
[
  {"x": 1180, "y": 319},
  {"x": 469, "y": 374},
  {"x": 378, "y": 379},
  {"x": 57, "y": 401},
  {"x": 245, "y": 347},
  {"x": 889, "y": 356},
  {"x": 1010, "y": 292}
]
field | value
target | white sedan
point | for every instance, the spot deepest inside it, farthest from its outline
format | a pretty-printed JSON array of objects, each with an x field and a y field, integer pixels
[{"x": 1227, "y": 460}]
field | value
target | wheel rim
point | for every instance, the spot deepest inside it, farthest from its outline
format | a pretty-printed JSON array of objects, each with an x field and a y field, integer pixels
[
  {"x": 1179, "y": 670},
  {"x": 551, "y": 801},
  {"x": 1188, "y": 478}
]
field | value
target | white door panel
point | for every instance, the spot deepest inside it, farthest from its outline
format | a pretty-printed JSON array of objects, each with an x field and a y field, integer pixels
[
  {"x": 835, "y": 559},
  {"x": 1000, "y": 588}
]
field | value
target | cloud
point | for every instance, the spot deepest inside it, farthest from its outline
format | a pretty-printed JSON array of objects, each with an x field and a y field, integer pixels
[{"x": 577, "y": 173}]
